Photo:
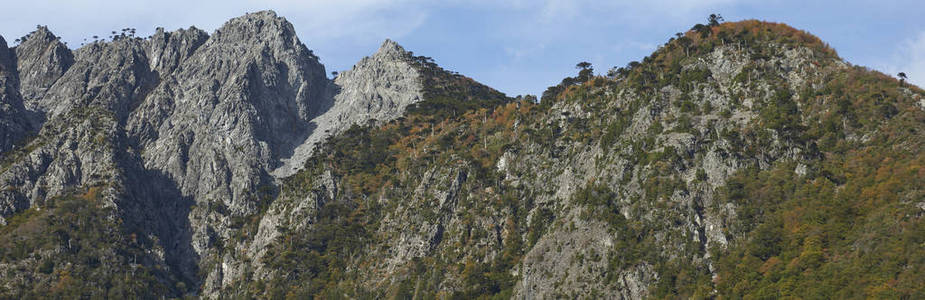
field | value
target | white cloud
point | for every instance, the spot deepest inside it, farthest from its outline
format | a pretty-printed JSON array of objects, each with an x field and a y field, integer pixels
[
  {"x": 909, "y": 58},
  {"x": 912, "y": 59}
]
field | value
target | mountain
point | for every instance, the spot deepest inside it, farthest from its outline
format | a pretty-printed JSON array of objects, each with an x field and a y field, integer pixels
[{"x": 742, "y": 159}]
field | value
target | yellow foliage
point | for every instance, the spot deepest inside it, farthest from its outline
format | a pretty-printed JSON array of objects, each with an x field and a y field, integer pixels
[{"x": 93, "y": 193}]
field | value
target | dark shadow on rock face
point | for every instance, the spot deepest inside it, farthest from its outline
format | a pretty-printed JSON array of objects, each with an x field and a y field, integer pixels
[
  {"x": 153, "y": 205},
  {"x": 155, "y": 208},
  {"x": 326, "y": 101},
  {"x": 15, "y": 124},
  {"x": 294, "y": 132}
]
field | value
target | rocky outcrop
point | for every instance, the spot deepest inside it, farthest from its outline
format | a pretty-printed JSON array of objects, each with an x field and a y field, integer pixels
[
  {"x": 41, "y": 60},
  {"x": 378, "y": 88},
  {"x": 571, "y": 259},
  {"x": 167, "y": 50}
]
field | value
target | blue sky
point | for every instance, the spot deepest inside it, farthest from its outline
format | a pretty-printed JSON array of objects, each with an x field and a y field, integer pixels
[{"x": 516, "y": 46}]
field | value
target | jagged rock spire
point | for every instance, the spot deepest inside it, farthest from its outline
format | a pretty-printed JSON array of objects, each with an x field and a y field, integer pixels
[
  {"x": 41, "y": 59},
  {"x": 168, "y": 49}
]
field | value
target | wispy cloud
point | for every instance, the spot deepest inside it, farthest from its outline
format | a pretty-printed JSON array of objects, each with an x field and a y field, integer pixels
[
  {"x": 908, "y": 57},
  {"x": 354, "y": 19},
  {"x": 911, "y": 59}
]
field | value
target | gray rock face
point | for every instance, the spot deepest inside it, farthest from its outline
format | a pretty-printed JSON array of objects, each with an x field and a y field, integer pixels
[
  {"x": 41, "y": 60},
  {"x": 226, "y": 113},
  {"x": 13, "y": 124},
  {"x": 378, "y": 88},
  {"x": 555, "y": 259},
  {"x": 79, "y": 144},
  {"x": 167, "y": 50}
]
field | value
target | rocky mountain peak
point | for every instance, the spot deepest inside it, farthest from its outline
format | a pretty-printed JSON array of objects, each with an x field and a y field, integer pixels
[
  {"x": 41, "y": 34},
  {"x": 377, "y": 88},
  {"x": 391, "y": 49},
  {"x": 263, "y": 26},
  {"x": 41, "y": 59}
]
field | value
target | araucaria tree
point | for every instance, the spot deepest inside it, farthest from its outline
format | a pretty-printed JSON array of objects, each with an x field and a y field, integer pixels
[{"x": 586, "y": 71}]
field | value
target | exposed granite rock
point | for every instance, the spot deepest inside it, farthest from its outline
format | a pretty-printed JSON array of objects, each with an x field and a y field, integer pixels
[{"x": 377, "y": 89}]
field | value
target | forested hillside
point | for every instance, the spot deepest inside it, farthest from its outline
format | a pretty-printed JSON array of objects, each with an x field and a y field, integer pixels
[{"x": 742, "y": 159}]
